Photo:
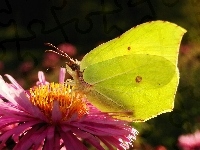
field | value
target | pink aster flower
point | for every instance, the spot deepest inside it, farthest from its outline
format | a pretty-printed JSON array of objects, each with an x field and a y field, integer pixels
[
  {"x": 190, "y": 141},
  {"x": 53, "y": 116}
]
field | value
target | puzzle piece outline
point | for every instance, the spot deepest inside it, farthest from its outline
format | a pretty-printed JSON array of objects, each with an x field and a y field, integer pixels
[{"x": 60, "y": 25}]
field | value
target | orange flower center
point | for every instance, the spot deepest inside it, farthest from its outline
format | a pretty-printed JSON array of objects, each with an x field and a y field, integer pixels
[{"x": 70, "y": 101}]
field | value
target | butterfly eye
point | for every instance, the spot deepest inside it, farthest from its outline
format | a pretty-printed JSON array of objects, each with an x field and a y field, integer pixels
[{"x": 73, "y": 66}]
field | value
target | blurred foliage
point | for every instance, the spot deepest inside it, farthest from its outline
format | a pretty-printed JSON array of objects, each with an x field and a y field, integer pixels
[{"x": 86, "y": 24}]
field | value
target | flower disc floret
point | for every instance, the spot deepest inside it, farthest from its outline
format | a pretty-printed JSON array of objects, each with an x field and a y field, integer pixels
[{"x": 70, "y": 101}]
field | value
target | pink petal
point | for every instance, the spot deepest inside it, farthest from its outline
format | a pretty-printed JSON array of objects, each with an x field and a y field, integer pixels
[
  {"x": 5, "y": 91},
  {"x": 71, "y": 141},
  {"x": 34, "y": 137},
  {"x": 56, "y": 113},
  {"x": 13, "y": 81},
  {"x": 62, "y": 75},
  {"x": 42, "y": 80},
  {"x": 17, "y": 130},
  {"x": 110, "y": 147},
  {"x": 88, "y": 137},
  {"x": 24, "y": 102},
  {"x": 52, "y": 142},
  {"x": 114, "y": 141},
  {"x": 51, "y": 132}
]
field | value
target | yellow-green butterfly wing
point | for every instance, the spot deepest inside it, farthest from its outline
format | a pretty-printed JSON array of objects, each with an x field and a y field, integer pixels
[{"x": 135, "y": 72}]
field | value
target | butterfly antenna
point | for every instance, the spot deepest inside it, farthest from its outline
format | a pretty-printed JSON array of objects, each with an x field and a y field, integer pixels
[{"x": 59, "y": 52}]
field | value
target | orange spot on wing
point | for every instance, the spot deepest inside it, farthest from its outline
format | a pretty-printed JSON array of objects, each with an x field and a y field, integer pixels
[{"x": 138, "y": 79}]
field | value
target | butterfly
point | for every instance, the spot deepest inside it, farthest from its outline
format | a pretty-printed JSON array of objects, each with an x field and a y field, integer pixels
[{"x": 135, "y": 73}]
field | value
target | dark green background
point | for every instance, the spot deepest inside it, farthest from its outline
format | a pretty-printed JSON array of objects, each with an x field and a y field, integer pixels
[{"x": 26, "y": 25}]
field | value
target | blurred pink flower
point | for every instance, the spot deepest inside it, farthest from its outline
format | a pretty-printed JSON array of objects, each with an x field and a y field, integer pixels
[
  {"x": 160, "y": 147},
  {"x": 26, "y": 67},
  {"x": 185, "y": 49},
  {"x": 54, "y": 116},
  {"x": 190, "y": 141},
  {"x": 50, "y": 59},
  {"x": 68, "y": 48}
]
